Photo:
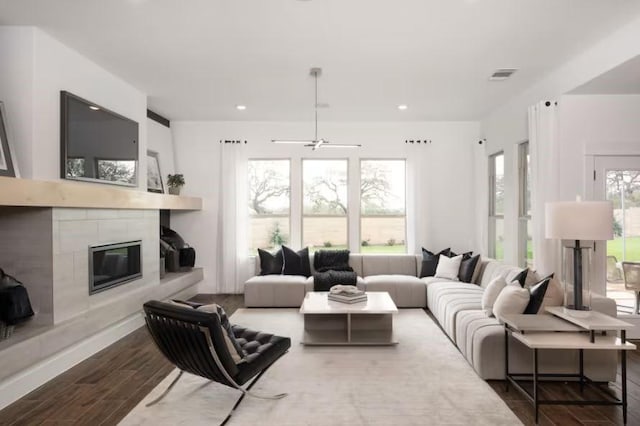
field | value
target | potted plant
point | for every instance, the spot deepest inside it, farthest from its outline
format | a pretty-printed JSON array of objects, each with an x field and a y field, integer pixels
[{"x": 175, "y": 182}]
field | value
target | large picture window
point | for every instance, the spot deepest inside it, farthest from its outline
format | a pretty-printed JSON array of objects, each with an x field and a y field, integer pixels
[
  {"x": 269, "y": 203},
  {"x": 525, "y": 247},
  {"x": 496, "y": 206},
  {"x": 382, "y": 206},
  {"x": 324, "y": 204}
]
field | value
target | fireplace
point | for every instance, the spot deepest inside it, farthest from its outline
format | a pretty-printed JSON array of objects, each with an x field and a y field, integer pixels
[{"x": 111, "y": 265}]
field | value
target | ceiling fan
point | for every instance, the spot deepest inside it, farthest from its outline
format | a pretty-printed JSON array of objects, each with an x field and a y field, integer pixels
[{"x": 316, "y": 143}]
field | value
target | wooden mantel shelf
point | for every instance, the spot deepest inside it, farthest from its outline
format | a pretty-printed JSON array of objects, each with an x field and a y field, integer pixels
[{"x": 40, "y": 193}]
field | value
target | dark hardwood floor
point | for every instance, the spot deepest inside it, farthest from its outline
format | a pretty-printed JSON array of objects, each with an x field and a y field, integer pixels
[{"x": 104, "y": 388}]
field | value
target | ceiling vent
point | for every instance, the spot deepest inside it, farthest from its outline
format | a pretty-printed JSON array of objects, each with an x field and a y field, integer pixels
[{"x": 502, "y": 74}]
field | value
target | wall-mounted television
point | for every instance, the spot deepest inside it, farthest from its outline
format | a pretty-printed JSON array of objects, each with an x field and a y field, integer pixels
[{"x": 96, "y": 144}]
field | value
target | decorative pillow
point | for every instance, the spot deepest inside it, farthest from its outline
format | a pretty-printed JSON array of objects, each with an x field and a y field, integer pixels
[
  {"x": 521, "y": 278},
  {"x": 468, "y": 267},
  {"x": 430, "y": 261},
  {"x": 234, "y": 348},
  {"x": 491, "y": 294},
  {"x": 296, "y": 263},
  {"x": 537, "y": 292},
  {"x": 454, "y": 254},
  {"x": 448, "y": 267},
  {"x": 512, "y": 300},
  {"x": 532, "y": 278},
  {"x": 270, "y": 264}
]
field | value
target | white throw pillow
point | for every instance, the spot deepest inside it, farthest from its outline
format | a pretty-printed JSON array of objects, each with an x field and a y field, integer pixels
[
  {"x": 491, "y": 294},
  {"x": 513, "y": 299},
  {"x": 448, "y": 267}
]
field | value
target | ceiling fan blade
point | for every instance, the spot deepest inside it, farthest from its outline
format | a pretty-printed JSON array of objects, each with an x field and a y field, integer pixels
[
  {"x": 293, "y": 141},
  {"x": 340, "y": 145}
]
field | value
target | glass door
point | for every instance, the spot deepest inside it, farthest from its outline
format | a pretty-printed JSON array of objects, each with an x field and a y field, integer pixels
[{"x": 618, "y": 179}]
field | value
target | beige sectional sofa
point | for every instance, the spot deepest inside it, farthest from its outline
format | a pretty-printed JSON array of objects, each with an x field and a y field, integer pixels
[{"x": 455, "y": 305}]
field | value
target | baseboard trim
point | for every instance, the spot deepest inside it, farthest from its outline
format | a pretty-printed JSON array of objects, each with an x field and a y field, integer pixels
[{"x": 17, "y": 386}]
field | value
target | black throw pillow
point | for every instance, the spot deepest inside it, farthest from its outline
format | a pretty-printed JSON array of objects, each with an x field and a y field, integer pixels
[
  {"x": 296, "y": 263},
  {"x": 537, "y": 292},
  {"x": 430, "y": 262},
  {"x": 521, "y": 277},
  {"x": 270, "y": 264},
  {"x": 464, "y": 255},
  {"x": 468, "y": 267}
]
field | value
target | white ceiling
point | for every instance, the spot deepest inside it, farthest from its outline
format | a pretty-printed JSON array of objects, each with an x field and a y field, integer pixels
[
  {"x": 197, "y": 59},
  {"x": 622, "y": 80}
]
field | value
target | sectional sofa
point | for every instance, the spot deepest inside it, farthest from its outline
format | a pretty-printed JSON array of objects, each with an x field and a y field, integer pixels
[{"x": 455, "y": 305}]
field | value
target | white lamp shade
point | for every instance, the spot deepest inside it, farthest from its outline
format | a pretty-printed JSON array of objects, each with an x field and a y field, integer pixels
[{"x": 579, "y": 220}]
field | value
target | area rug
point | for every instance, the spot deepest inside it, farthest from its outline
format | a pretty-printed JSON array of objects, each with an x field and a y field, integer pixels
[{"x": 423, "y": 380}]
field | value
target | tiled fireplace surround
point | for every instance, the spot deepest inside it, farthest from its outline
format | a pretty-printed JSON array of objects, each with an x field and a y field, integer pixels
[{"x": 47, "y": 249}]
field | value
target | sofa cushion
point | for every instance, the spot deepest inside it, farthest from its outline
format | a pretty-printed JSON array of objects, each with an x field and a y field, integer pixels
[
  {"x": 452, "y": 304},
  {"x": 401, "y": 264},
  {"x": 276, "y": 290},
  {"x": 493, "y": 269},
  {"x": 491, "y": 294},
  {"x": 512, "y": 300},
  {"x": 436, "y": 290},
  {"x": 406, "y": 291}
]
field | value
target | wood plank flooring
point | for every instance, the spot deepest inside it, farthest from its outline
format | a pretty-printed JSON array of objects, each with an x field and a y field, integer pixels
[{"x": 104, "y": 388}]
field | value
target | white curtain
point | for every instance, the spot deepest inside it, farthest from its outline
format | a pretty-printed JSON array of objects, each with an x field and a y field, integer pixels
[
  {"x": 543, "y": 151},
  {"x": 232, "y": 254}
]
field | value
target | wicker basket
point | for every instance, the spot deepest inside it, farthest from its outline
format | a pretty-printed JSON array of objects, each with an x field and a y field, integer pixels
[{"x": 6, "y": 330}]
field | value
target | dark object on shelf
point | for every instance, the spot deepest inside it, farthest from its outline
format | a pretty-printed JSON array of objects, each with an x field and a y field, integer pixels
[
  {"x": 179, "y": 256},
  {"x": 194, "y": 341},
  {"x": 187, "y": 257},
  {"x": 15, "y": 306},
  {"x": 163, "y": 267}
]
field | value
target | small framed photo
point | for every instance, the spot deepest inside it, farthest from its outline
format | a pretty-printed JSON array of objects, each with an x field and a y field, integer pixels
[
  {"x": 7, "y": 165},
  {"x": 154, "y": 177}
]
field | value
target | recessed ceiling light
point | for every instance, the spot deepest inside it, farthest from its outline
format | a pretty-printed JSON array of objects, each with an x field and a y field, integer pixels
[
  {"x": 402, "y": 107},
  {"x": 241, "y": 107},
  {"x": 95, "y": 108}
]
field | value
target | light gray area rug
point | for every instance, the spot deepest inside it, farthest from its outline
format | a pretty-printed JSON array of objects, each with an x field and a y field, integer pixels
[{"x": 423, "y": 380}]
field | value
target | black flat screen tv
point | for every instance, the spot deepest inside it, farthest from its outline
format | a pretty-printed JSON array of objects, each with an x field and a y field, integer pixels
[{"x": 97, "y": 145}]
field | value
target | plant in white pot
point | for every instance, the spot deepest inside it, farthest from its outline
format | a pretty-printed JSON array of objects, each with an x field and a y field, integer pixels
[{"x": 175, "y": 183}]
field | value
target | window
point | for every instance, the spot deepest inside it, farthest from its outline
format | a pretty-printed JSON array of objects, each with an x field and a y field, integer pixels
[
  {"x": 382, "y": 206},
  {"x": 324, "y": 204},
  {"x": 525, "y": 248},
  {"x": 496, "y": 206},
  {"x": 269, "y": 204}
]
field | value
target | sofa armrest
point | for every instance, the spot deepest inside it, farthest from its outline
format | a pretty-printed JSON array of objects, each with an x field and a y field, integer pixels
[{"x": 604, "y": 304}]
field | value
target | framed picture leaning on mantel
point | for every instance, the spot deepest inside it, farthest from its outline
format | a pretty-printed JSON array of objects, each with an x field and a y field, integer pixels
[
  {"x": 154, "y": 177},
  {"x": 7, "y": 159}
]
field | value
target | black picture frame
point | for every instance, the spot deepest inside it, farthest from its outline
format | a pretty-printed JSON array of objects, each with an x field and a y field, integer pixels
[
  {"x": 7, "y": 167},
  {"x": 154, "y": 175}
]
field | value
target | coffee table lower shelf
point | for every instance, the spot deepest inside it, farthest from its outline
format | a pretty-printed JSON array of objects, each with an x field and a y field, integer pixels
[{"x": 348, "y": 330}]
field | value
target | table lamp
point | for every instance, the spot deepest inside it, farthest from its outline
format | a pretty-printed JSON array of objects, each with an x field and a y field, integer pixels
[{"x": 578, "y": 221}]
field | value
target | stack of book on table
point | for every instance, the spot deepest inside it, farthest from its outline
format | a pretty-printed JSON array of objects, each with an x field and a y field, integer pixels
[{"x": 346, "y": 294}]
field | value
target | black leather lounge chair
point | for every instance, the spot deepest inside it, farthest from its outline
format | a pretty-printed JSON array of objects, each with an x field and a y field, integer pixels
[{"x": 194, "y": 341}]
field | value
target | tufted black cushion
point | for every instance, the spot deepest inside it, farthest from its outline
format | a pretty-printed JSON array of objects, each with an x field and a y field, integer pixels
[{"x": 261, "y": 350}]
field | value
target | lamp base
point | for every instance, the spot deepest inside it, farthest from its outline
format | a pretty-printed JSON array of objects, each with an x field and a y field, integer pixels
[{"x": 583, "y": 312}]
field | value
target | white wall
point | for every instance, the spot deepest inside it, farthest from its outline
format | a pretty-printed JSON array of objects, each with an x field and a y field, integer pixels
[
  {"x": 160, "y": 139},
  {"x": 441, "y": 173},
  {"x": 507, "y": 126},
  {"x": 31, "y": 89},
  {"x": 594, "y": 125},
  {"x": 16, "y": 92}
]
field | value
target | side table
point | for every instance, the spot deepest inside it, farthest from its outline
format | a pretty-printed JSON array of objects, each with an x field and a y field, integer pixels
[{"x": 552, "y": 332}]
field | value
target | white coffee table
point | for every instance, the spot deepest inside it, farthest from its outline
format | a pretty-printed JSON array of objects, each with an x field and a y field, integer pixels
[{"x": 359, "y": 324}]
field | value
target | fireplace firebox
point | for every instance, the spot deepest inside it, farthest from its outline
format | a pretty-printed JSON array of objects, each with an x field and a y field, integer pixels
[{"x": 111, "y": 265}]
